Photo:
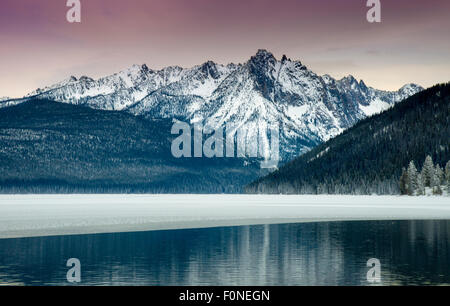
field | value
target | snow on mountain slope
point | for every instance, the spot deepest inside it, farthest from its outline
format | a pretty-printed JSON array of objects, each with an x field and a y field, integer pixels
[
  {"x": 262, "y": 92},
  {"x": 308, "y": 108},
  {"x": 185, "y": 96},
  {"x": 6, "y": 102}
]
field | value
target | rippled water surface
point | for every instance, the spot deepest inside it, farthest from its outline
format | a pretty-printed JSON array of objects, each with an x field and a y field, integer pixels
[{"x": 330, "y": 253}]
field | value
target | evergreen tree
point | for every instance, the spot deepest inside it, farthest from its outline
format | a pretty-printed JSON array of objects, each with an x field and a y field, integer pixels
[
  {"x": 435, "y": 181},
  {"x": 440, "y": 175},
  {"x": 448, "y": 187},
  {"x": 428, "y": 171},
  {"x": 403, "y": 184},
  {"x": 437, "y": 190},
  {"x": 412, "y": 178},
  {"x": 447, "y": 175},
  {"x": 420, "y": 185}
]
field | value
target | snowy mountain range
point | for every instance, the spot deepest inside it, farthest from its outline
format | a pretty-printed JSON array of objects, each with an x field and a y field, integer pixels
[{"x": 308, "y": 108}]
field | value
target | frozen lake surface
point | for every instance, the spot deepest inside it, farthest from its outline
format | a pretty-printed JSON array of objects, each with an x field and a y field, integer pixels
[{"x": 48, "y": 215}]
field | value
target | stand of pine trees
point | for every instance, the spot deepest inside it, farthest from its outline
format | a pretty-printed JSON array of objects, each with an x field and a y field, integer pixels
[{"x": 413, "y": 182}]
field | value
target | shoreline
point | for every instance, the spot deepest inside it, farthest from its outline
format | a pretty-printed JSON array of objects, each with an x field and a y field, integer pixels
[{"x": 24, "y": 216}]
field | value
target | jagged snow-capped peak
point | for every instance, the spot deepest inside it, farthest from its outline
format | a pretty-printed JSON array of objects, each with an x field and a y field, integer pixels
[
  {"x": 262, "y": 91},
  {"x": 409, "y": 89}
]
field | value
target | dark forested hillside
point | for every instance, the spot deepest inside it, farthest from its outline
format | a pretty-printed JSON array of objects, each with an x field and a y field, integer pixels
[
  {"x": 369, "y": 157},
  {"x": 50, "y": 147}
]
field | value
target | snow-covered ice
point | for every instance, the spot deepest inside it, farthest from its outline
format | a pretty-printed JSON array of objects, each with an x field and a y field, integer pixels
[{"x": 44, "y": 215}]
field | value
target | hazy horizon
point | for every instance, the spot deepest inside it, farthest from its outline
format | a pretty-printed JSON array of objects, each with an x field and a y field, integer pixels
[{"x": 39, "y": 47}]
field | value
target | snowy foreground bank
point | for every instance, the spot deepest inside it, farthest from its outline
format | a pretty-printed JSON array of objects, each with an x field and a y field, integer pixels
[{"x": 44, "y": 215}]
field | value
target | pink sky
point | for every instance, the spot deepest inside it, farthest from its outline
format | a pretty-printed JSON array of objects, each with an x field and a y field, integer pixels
[{"x": 39, "y": 47}]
